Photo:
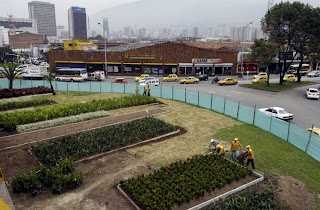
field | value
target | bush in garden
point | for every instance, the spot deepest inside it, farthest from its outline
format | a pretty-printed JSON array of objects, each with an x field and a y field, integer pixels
[
  {"x": 61, "y": 178},
  {"x": 182, "y": 181},
  {"x": 9, "y": 121},
  {"x": 7, "y": 93},
  {"x": 23, "y": 104},
  {"x": 100, "y": 140}
]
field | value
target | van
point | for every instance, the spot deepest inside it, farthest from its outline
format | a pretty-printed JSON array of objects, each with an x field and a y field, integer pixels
[{"x": 96, "y": 76}]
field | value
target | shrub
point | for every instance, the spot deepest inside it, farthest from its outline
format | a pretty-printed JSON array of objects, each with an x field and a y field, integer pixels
[
  {"x": 7, "y": 93},
  {"x": 23, "y": 104}
]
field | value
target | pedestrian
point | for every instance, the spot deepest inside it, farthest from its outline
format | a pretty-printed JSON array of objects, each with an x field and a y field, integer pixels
[
  {"x": 137, "y": 91},
  {"x": 250, "y": 156},
  {"x": 220, "y": 150},
  {"x": 144, "y": 91},
  {"x": 213, "y": 144},
  {"x": 234, "y": 149},
  {"x": 149, "y": 90}
]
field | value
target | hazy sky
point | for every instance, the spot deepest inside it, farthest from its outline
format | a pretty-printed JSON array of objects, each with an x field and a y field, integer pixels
[{"x": 19, "y": 8}]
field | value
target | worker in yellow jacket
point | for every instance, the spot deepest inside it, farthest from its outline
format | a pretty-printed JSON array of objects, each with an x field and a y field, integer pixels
[
  {"x": 250, "y": 156},
  {"x": 220, "y": 150},
  {"x": 234, "y": 149},
  {"x": 137, "y": 91},
  {"x": 144, "y": 91}
]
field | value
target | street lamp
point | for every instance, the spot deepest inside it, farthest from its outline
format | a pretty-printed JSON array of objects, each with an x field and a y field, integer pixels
[
  {"x": 105, "y": 48},
  {"x": 242, "y": 68}
]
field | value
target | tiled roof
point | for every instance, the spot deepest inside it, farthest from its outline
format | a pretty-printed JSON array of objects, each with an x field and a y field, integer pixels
[{"x": 218, "y": 45}]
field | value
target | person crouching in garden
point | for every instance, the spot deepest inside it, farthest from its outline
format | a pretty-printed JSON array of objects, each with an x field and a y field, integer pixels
[
  {"x": 220, "y": 150},
  {"x": 234, "y": 149},
  {"x": 250, "y": 156}
]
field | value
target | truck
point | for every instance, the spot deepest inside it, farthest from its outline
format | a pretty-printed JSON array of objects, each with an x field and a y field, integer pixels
[
  {"x": 96, "y": 76},
  {"x": 34, "y": 72}
]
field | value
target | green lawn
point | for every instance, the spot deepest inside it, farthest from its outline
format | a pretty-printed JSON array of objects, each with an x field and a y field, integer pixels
[{"x": 276, "y": 87}]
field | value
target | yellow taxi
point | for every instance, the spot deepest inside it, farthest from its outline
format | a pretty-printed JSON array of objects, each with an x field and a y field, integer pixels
[
  {"x": 261, "y": 74},
  {"x": 189, "y": 80},
  {"x": 289, "y": 78},
  {"x": 259, "y": 80},
  {"x": 143, "y": 76},
  {"x": 170, "y": 78},
  {"x": 314, "y": 130},
  {"x": 228, "y": 81}
]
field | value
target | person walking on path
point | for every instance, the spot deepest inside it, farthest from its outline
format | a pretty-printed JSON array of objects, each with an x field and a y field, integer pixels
[
  {"x": 137, "y": 91},
  {"x": 250, "y": 156},
  {"x": 149, "y": 90},
  {"x": 220, "y": 150},
  {"x": 234, "y": 149},
  {"x": 144, "y": 91}
]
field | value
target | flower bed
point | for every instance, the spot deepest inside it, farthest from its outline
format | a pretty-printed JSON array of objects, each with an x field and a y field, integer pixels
[
  {"x": 23, "y": 104},
  {"x": 9, "y": 121},
  {"x": 7, "y": 93},
  {"x": 61, "y": 177},
  {"x": 182, "y": 181},
  {"x": 100, "y": 140}
]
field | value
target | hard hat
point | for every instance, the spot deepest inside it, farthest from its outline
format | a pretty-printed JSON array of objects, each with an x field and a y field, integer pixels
[
  {"x": 248, "y": 147},
  {"x": 211, "y": 140},
  {"x": 236, "y": 139}
]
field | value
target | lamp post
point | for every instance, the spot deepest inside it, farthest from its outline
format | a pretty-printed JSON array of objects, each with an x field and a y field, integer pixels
[
  {"x": 105, "y": 48},
  {"x": 242, "y": 68}
]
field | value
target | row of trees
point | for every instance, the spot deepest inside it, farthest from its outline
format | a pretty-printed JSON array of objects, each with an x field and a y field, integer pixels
[{"x": 290, "y": 27}]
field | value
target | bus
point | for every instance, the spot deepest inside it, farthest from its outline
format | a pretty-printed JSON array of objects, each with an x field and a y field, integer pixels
[
  {"x": 71, "y": 75},
  {"x": 305, "y": 68}
]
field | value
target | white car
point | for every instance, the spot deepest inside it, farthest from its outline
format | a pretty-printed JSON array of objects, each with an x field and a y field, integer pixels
[
  {"x": 149, "y": 81},
  {"x": 314, "y": 74},
  {"x": 277, "y": 112},
  {"x": 312, "y": 93}
]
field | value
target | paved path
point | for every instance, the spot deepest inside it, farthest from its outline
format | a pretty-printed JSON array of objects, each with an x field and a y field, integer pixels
[{"x": 12, "y": 141}]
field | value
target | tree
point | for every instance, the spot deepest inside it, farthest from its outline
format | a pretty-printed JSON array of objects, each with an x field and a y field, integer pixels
[
  {"x": 291, "y": 26},
  {"x": 3, "y": 52},
  {"x": 264, "y": 51},
  {"x": 10, "y": 72},
  {"x": 50, "y": 78}
]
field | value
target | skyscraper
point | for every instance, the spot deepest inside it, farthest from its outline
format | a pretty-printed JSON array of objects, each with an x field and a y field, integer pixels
[
  {"x": 106, "y": 27},
  {"x": 44, "y": 13},
  {"x": 77, "y": 19},
  {"x": 195, "y": 32}
]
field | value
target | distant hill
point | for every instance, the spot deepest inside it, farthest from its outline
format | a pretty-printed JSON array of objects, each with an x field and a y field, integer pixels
[{"x": 182, "y": 13}]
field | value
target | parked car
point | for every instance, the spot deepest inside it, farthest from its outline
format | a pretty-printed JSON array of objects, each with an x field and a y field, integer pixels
[
  {"x": 202, "y": 77},
  {"x": 314, "y": 130},
  {"x": 289, "y": 78},
  {"x": 121, "y": 81},
  {"x": 277, "y": 112},
  {"x": 312, "y": 93},
  {"x": 260, "y": 79},
  {"x": 314, "y": 74},
  {"x": 170, "y": 78},
  {"x": 149, "y": 81},
  {"x": 189, "y": 80},
  {"x": 228, "y": 81},
  {"x": 261, "y": 74},
  {"x": 143, "y": 76}
]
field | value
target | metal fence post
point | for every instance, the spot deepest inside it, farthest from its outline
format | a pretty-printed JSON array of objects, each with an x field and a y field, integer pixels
[
  {"x": 270, "y": 123},
  {"x": 78, "y": 86},
  {"x": 224, "y": 105},
  {"x": 211, "y": 101},
  {"x": 309, "y": 138},
  {"x": 124, "y": 87},
  {"x": 254, "y": 114},
  {"x": 111, "y": 85},
  {"x": 198, "y": 99},
  {"x": 68, "y": 87},
  {"x": 31, "y": 83},
  {"x": 90, "y": 86},
  {"x": 20, "y": 83},
  {"x": 185, "y": 95},
  {"x": 288, "y": 132},
  {"x": 238, "y": 110},
  {"x": 161, "y": 91},
  {"x": 100, "y": 87},
  {"x": 172, "y": 92}
]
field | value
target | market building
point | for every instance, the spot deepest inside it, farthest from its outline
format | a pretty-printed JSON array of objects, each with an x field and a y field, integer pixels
[{"x": 149, "y": 58}]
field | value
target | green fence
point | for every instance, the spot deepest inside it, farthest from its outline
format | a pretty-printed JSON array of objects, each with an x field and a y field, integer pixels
[{"x": 299, "y": 137}]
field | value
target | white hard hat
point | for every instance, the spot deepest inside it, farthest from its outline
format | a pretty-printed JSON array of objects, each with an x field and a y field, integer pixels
[{"x": 211, "y": 140}]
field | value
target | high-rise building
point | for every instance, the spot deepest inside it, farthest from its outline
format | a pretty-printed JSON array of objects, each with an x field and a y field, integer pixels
[
  {"x": 195, "y": 32},
  {"x": 44, "y": 13},
  {"x": 127, "y": 31},
  {"x": 77, "y": 19},
  {"x": 106, "y": 27}
]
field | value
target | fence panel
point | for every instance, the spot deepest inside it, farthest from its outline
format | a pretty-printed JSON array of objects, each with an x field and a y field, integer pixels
[
  {"x": 231, "y": 109},
  {"x": 16, "y": 83},
  {"x": 205, "y": 101},
  {"x": 4, "y": 84},
  {"x": 314, "y": 147},
  {"x": 166, "y": 92},
  {"x": 262, "y": 120},
  {"x": 192, "y": 97},
  {"x": 117, "y": 88},
  {"x": 73, "y": 86},
  {"x": 130, "y": 88},
  {"x": 155, "y": 91},
  {"x": 84, "y": 87},
  {"x": 61, "y": 86},
  {"x": 218, "y": 104},
  {"x": 279, "y": 128},
  {"x": 37, "y": 83},
  {"x": 25, "y": 83},
  {"x": 95, "y": 87},
  {"x": 298, "y": 137},
  {"x": 178, "y": 95},
  {"x": 246, "y": 114},
  {"x": 106, "y": 87}
]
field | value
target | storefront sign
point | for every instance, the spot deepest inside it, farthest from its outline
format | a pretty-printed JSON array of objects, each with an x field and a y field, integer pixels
[
  {"x": 205, "y": 60},
  {"x": 142, "y": 57}
]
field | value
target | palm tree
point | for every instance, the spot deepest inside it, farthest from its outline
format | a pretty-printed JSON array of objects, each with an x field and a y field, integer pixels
[
  {"x": 50, "y": 78},
  {"x": 10, "y": 72}
]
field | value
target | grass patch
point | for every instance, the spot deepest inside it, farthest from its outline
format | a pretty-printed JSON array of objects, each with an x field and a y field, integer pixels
[
  {"x": 276, "y": 87},
  {"x": 275, "y": 155}
]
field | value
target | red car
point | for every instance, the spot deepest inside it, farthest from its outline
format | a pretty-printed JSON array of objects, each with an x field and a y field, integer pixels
[{"x": 120, "y": 80}]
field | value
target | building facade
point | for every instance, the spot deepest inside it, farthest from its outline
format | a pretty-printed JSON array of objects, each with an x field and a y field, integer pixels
[
  {"x": 106, "y": 27},
  {"x": 45, "y": 15},
  {"x": 77, "y": 20}
]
